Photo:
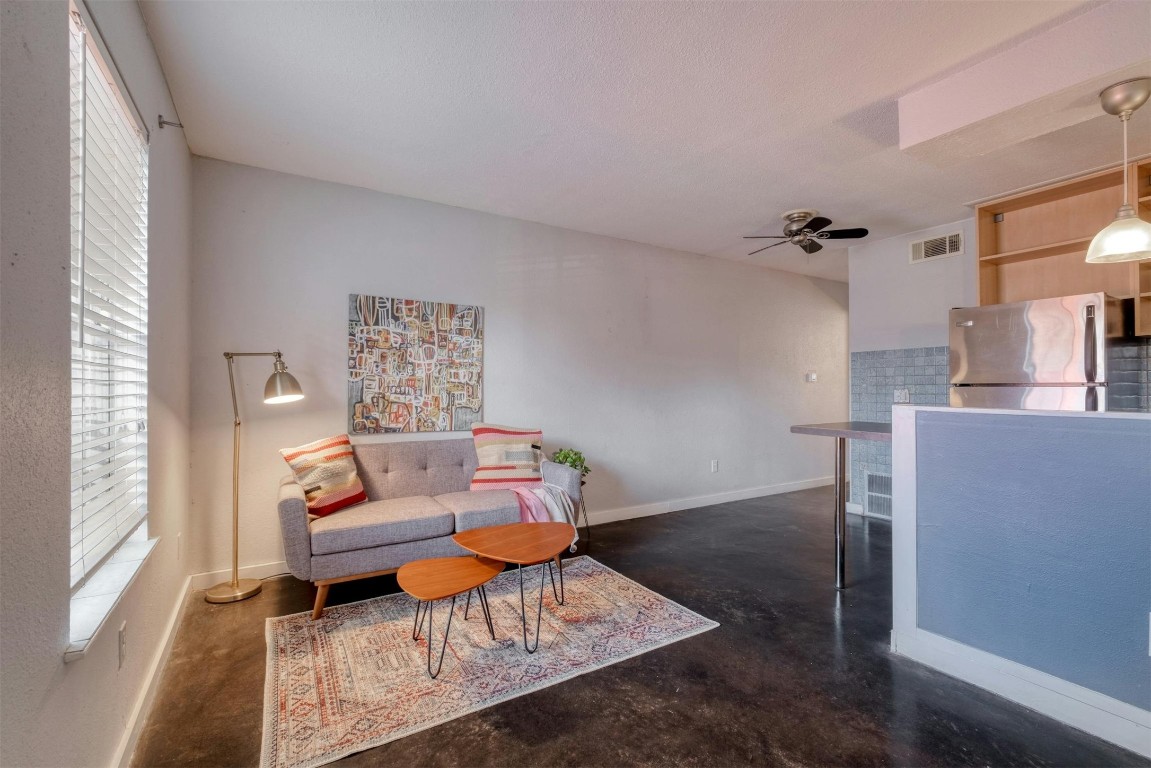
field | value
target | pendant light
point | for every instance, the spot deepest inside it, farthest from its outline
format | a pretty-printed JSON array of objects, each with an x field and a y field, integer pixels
[{"x": 1128, "y": 238}]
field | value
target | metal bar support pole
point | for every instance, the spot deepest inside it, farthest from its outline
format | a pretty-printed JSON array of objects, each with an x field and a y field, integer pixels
[{"x": 840, "y": 512}]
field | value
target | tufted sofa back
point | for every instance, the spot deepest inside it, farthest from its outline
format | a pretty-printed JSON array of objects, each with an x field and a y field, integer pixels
[{"x": 420, "y": 468}]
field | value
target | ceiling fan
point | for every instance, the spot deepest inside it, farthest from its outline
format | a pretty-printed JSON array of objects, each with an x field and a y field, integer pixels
[{"x": 805, "y": 228}]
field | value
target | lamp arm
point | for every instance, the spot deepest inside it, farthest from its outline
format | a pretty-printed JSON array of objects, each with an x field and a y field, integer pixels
[{"x": 232, "y": 380}]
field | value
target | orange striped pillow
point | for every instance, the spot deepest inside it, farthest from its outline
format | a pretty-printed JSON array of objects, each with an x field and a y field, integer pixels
[
  {"x": 327, "y": 470},
  {"x": 509, "y": 457}
]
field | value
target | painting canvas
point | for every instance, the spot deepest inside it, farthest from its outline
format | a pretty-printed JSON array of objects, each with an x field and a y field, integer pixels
[{"x": 413, "y": 366}]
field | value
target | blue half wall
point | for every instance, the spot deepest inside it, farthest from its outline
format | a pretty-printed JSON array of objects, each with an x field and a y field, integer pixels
[{"x": 1034, "y": 543}]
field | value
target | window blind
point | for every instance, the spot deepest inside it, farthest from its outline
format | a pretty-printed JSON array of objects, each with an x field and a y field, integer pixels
[{"x": 109, "y": 154}]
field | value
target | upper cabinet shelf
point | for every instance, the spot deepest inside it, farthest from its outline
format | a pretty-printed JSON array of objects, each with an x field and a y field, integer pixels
[
  {"x": 1078, "y": 245},
  {"x": 1032, "y": 245}
]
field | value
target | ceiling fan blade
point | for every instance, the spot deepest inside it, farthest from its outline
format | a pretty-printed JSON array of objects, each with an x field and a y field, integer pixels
[
  {"x": 766, "y": 247},
  {"x": 761, "y": 237},
  {"x": 811, "y": 247},
  {"x": 843, "y": 234},
  {"x": 818, "y": 223}
]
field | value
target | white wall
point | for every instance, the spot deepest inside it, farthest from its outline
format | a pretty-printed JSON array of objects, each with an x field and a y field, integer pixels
[
  {"x": 652, "y": 362},
  {"x": 56, "y": 714},
  {"x": 898, "y": 305}
]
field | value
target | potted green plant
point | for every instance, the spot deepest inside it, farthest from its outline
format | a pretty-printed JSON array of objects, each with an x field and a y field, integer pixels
[{"x": 573, "y": 459}]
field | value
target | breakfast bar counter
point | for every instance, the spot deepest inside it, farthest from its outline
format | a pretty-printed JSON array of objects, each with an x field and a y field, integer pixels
[
  {"x": 1020, "y": 562},
  {"x": 843, "y": 431}
]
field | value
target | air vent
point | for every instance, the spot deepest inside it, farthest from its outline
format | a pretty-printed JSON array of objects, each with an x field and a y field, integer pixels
[
  {"x": 937, "y": 247},
  {"x": 877, "y": 500}
]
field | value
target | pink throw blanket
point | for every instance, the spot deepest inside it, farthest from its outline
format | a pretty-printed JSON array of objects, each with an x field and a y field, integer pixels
[{"x": 532, "y": 508}]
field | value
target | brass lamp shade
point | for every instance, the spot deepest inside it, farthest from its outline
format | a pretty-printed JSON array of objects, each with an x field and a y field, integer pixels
[{"x": 282, "y": 386}]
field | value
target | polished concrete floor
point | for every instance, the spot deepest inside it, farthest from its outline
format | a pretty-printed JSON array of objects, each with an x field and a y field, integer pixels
[{"x": 796, "y": 675}]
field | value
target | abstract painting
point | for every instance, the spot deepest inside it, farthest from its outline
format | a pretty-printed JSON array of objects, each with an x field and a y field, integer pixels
[{"x": 413, "y": 366}]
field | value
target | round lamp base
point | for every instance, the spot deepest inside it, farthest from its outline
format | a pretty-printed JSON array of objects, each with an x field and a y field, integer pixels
[{"x": 231, "y": 593}]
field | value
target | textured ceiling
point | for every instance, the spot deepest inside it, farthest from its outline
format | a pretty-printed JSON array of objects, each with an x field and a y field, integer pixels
[{"x": 684, "y": 125}]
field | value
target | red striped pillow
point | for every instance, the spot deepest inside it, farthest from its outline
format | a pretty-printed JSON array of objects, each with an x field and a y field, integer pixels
[
  {"x": 327, "y": 470},
  {"x": 509, "y": 457}
]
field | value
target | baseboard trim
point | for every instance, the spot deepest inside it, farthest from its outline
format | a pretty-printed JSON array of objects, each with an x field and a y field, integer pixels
[
  {"x": 139, "y": 714},
  {"x": 136, "y": 719},
  {"x": 600, "y": 516},
  {"x": 1095, "y": 713},
  {"x": 258, "y": 571}
]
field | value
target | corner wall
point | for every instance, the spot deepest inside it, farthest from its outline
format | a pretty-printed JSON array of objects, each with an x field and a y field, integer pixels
[
  {"x": 899, "y": 332},
  {"x": 651, "y": 362},
  {"x": 57, "y": 714}
]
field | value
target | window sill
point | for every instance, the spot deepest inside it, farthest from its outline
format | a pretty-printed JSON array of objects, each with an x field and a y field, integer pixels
[{"x": 94, "y": 602}]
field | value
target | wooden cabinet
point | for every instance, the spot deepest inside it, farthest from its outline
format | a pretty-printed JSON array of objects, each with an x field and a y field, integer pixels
[
  {"x": 1032, "y": 245},
  {"x": 1141, "y": 270}
]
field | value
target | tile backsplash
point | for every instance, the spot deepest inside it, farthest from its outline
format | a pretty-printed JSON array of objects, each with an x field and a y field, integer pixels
[
  {"x": 875, "y": 375},
  {"x": 924, "y": 373},
  {"x": 1129, "y": 375}
]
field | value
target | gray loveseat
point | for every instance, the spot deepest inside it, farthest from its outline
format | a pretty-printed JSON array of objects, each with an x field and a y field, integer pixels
[{"x": 417, "y": 498}]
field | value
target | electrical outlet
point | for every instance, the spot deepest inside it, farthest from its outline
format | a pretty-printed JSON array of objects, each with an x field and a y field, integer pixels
[
  {"x": 902, "y": 396},
  {"x": 123, "y": 644},
  {"x": 811, "y": 377},
  {"x": 715, "y": 465}
]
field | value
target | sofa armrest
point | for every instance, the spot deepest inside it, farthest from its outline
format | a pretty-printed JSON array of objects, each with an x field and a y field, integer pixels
[
  {"x": 565, "y": 477},
  {"x": 294, "y": 528}
]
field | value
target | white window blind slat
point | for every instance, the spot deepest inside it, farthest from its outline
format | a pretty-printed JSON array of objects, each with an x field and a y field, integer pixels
[
  {"x": 110, "y": 287},
  {"x": 100, "y": 453},
  {"x": 109, "y": 183},
  {"x": 86, "y": 428}
]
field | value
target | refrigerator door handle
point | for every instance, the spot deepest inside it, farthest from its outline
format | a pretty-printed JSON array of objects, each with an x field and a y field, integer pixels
[{"x": 1089, "y": 349}]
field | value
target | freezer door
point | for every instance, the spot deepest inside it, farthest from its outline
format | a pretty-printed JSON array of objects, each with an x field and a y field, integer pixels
[
  {"x": 1048, "y": 341},
  {"x": 1031, "y": 398}
]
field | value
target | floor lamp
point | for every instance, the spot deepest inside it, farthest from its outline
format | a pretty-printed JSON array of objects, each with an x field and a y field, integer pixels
[{"x": 282, "y": 387}]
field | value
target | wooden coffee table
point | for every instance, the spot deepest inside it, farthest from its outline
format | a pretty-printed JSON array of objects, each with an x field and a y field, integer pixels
[
  {"x": 524, "y": 544},
  {"x": 439, "y": 579}
]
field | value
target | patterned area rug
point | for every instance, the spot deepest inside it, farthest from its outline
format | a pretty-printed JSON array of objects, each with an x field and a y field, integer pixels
[{"x": 356, "y": 679}]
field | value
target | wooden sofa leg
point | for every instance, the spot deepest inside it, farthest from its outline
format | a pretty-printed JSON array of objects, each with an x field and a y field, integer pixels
[{"x": 321, "y": 598}]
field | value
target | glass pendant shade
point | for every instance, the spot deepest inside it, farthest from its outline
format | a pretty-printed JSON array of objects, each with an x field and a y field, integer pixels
[
  {"x": 282, "y": 387},
  {"x": 1128, "y": 238}
]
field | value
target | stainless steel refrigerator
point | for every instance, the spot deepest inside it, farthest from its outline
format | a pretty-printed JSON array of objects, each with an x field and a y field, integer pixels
[{"x": 1049, "y": 354}]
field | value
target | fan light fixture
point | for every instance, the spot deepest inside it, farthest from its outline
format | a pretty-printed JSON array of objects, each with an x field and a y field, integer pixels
[{"x": 1128, "y": 238}]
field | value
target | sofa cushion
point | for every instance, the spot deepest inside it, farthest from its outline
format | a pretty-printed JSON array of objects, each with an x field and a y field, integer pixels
[
  {"x": 387, "y": 557},
  {"x": 375, "y": 523},
  {"x": 415, "y": 468},
  {"x": 479, "y": 509}
]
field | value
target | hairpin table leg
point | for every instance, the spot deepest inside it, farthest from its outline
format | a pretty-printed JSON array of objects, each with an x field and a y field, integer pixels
[
  {"x": 487, "y": 610},
  {"x": 559, "y": 596},
  {"x": 444, "y": 647},
  {"x": 418, "y": 624},
  {"x": 524, "y": 610}
]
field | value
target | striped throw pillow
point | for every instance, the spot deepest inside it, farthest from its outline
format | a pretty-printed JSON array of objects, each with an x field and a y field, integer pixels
[
  {"x": 327, "y": 470},
  {"x": 509, "y": 457}
]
